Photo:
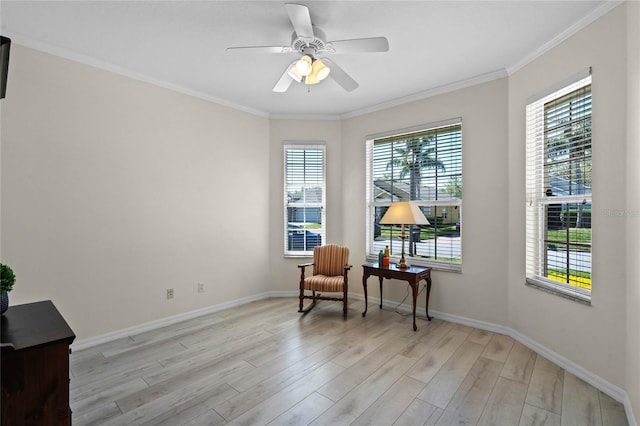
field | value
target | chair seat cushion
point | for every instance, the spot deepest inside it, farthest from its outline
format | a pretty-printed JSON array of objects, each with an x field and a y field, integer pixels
[{"x": 324, "y": 283}]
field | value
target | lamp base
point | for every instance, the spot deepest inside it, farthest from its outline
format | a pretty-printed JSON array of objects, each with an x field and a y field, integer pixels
[{"x": 402, "y": 264}]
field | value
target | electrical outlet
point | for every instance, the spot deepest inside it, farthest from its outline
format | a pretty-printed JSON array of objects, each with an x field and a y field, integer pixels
[
  {"x": 169, "y": 293},
  {"x": 200, "y": 287}
]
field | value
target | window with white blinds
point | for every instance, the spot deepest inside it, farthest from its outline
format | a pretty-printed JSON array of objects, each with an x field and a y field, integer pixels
[
  {"x": 423, "y": 165},
  {"x": 558, "y": 190},
  {"x": 304, "y": 198}
]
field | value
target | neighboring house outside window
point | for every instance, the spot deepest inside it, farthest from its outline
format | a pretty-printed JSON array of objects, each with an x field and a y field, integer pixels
[
  {"x": 304, "y": 197},
  {"x": 558, "y": 189},
  {"x": 423, "y": 165}
]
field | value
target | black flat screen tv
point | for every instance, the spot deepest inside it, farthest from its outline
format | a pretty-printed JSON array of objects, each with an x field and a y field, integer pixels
[{"x": 5, "y": 45}]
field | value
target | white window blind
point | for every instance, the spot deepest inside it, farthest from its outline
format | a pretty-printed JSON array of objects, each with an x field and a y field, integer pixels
[
  {"x": 423, "y": 165},
  {"x": 304, "y": 198},
  {"x": 558, "y": 191}
]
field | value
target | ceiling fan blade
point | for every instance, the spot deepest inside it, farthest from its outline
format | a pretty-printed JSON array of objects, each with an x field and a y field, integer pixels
[
  {"x": 340, "y": 76},
  {"x": 285, "y": 81},
  {"x": 357, "y": 45},
  {"x": 300, "y": 19},
  {"x": 264, "y": 49}
]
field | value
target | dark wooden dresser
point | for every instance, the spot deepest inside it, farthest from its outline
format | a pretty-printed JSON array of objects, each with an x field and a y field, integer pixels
[{"x": 35, "y": 341}]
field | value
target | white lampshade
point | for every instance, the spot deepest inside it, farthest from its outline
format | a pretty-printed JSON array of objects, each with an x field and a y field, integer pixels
[
  {"x": 304, "y": 65},
  {"x": 404, "y": 213},
  {"x": 294, "y": 74}
]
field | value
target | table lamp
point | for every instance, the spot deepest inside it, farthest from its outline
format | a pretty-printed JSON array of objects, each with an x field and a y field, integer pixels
[{"x": 403, "y": 213}]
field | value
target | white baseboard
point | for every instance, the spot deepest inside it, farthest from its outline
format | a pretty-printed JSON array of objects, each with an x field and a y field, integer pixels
[{"x": 596, "y": 381}]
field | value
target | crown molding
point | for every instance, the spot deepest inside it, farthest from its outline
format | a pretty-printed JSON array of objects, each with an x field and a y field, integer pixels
[
  {"x": 451, "y": 87},
  {"x": 30, "y": 43},
  {"x": 315, "y": 117},
  {"x": 596, "y": 13}
]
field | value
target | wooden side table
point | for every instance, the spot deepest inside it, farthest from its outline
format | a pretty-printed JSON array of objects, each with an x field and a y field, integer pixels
[
  {"x": 35, "y": 365},
  {"x": 413, "y": 275}
]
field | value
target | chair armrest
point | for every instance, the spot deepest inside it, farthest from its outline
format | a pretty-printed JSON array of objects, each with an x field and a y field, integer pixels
[
  {"x": 304, "y": 265},
  {"x": 347, "y": 267}
]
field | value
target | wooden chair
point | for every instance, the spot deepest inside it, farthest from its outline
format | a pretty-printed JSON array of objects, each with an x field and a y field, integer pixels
[{"x": 330, "y": 267}]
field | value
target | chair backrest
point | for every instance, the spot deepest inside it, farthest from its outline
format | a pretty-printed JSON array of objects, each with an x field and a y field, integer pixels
[{"x": 330, "y": 260}]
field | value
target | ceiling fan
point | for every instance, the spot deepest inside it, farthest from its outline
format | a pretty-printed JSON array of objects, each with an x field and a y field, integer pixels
[{"x": 309, "y": 41}]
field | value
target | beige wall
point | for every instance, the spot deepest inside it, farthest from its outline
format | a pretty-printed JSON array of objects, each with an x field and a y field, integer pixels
[
  {"x": 633, "y": 206},
  {"x": 114, "y": 190},
  {"x": 592, "y": 336},
  {"x": 483, "y": 109}
]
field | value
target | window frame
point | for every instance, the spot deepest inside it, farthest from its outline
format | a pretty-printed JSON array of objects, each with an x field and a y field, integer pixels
[
  {"x": 539, "y": 202},
  {"x": 287, "y": 225},
  {"x": 427, "y": 205}
]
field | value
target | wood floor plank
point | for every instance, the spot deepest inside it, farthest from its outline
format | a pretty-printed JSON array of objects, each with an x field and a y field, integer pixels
[
  {"x": 253, "y": 395},
  {"x": 471, "y": 397},
  {"x": 545, "y": 388},
  {"x": 96, "y": 416},
  {"x": 303, "y": 412},
  {"x": 580, "y": 403},
  {"x": 390, "y": 406},
  {"x": 519, "y": 364},
  {"x": 505, "y": 403},
  {"x": 354, "y": 375},
  {"x": 95, "y": 400},
  {"x": 613, "y": 413},
  {"x": 208, "y": 418},
  {"x": 534, "y": 416},
  {"x": 419, "y": 413},
  {"x": 265, "y": 363},
  {"x": 197, "y": 414},
  {"x": 282, "y": 401},
  {"x": 428, "y": 365},
  {"x": 352, "y": 405},
  {"x": 481, "y": 337},
  {"x": 214, "y": 373},
  {"x": 83, "y": 386},
  {"x": 215, "y": 347},
  {"x": 498, "y": 347},
  {"x": 423, "y": 341},
  {"x": 372, "y": 340},
  {"x": 446, "y": 381},
  {"x": 170, "y": 404},
  {"x": 124, "y": 359}
]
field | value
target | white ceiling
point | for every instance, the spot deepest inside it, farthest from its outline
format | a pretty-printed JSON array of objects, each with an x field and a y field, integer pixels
[{"x": 433, "y": 45}]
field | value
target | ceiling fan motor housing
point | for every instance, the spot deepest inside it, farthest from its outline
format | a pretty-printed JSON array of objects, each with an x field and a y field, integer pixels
[{"x": 316, "y": 42}]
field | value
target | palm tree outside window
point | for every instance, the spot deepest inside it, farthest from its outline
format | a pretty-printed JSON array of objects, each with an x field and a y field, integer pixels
[{"x": 423, "y": 165}]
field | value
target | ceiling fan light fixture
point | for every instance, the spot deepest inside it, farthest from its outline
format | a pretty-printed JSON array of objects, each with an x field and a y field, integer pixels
[
  {"x": 320, "y": 70},
  {"x": 294, "y": 73},
  {"x": 311, "y": 79},
  {"x": 304, "y": 65}
]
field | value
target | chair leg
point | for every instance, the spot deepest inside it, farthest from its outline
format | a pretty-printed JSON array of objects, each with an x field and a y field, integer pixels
[
  {"x": 345, "y": 301},
  {"x": 313, "y": 301},
  {"x": 301, "y": 299}
]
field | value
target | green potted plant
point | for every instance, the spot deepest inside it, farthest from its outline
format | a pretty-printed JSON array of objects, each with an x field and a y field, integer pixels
[{"x": 7, "y": 280}]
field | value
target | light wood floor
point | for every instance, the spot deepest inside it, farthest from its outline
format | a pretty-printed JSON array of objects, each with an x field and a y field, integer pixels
[{"x": 264, "y": 363}]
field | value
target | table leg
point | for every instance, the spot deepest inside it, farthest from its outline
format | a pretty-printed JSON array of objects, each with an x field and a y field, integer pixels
[
  {"x": 414, "y": 287},
  {"x": 380, "y": 292},
  {"x": 428, "y": 292},
  {"x": 364, "y": 285}
]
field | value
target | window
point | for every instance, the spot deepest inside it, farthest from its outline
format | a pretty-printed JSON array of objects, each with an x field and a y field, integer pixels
[
  {"x": 304, "y": 198},
  {"x": 423, "y": 165},
  {"x": 558, "y": 190}
]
